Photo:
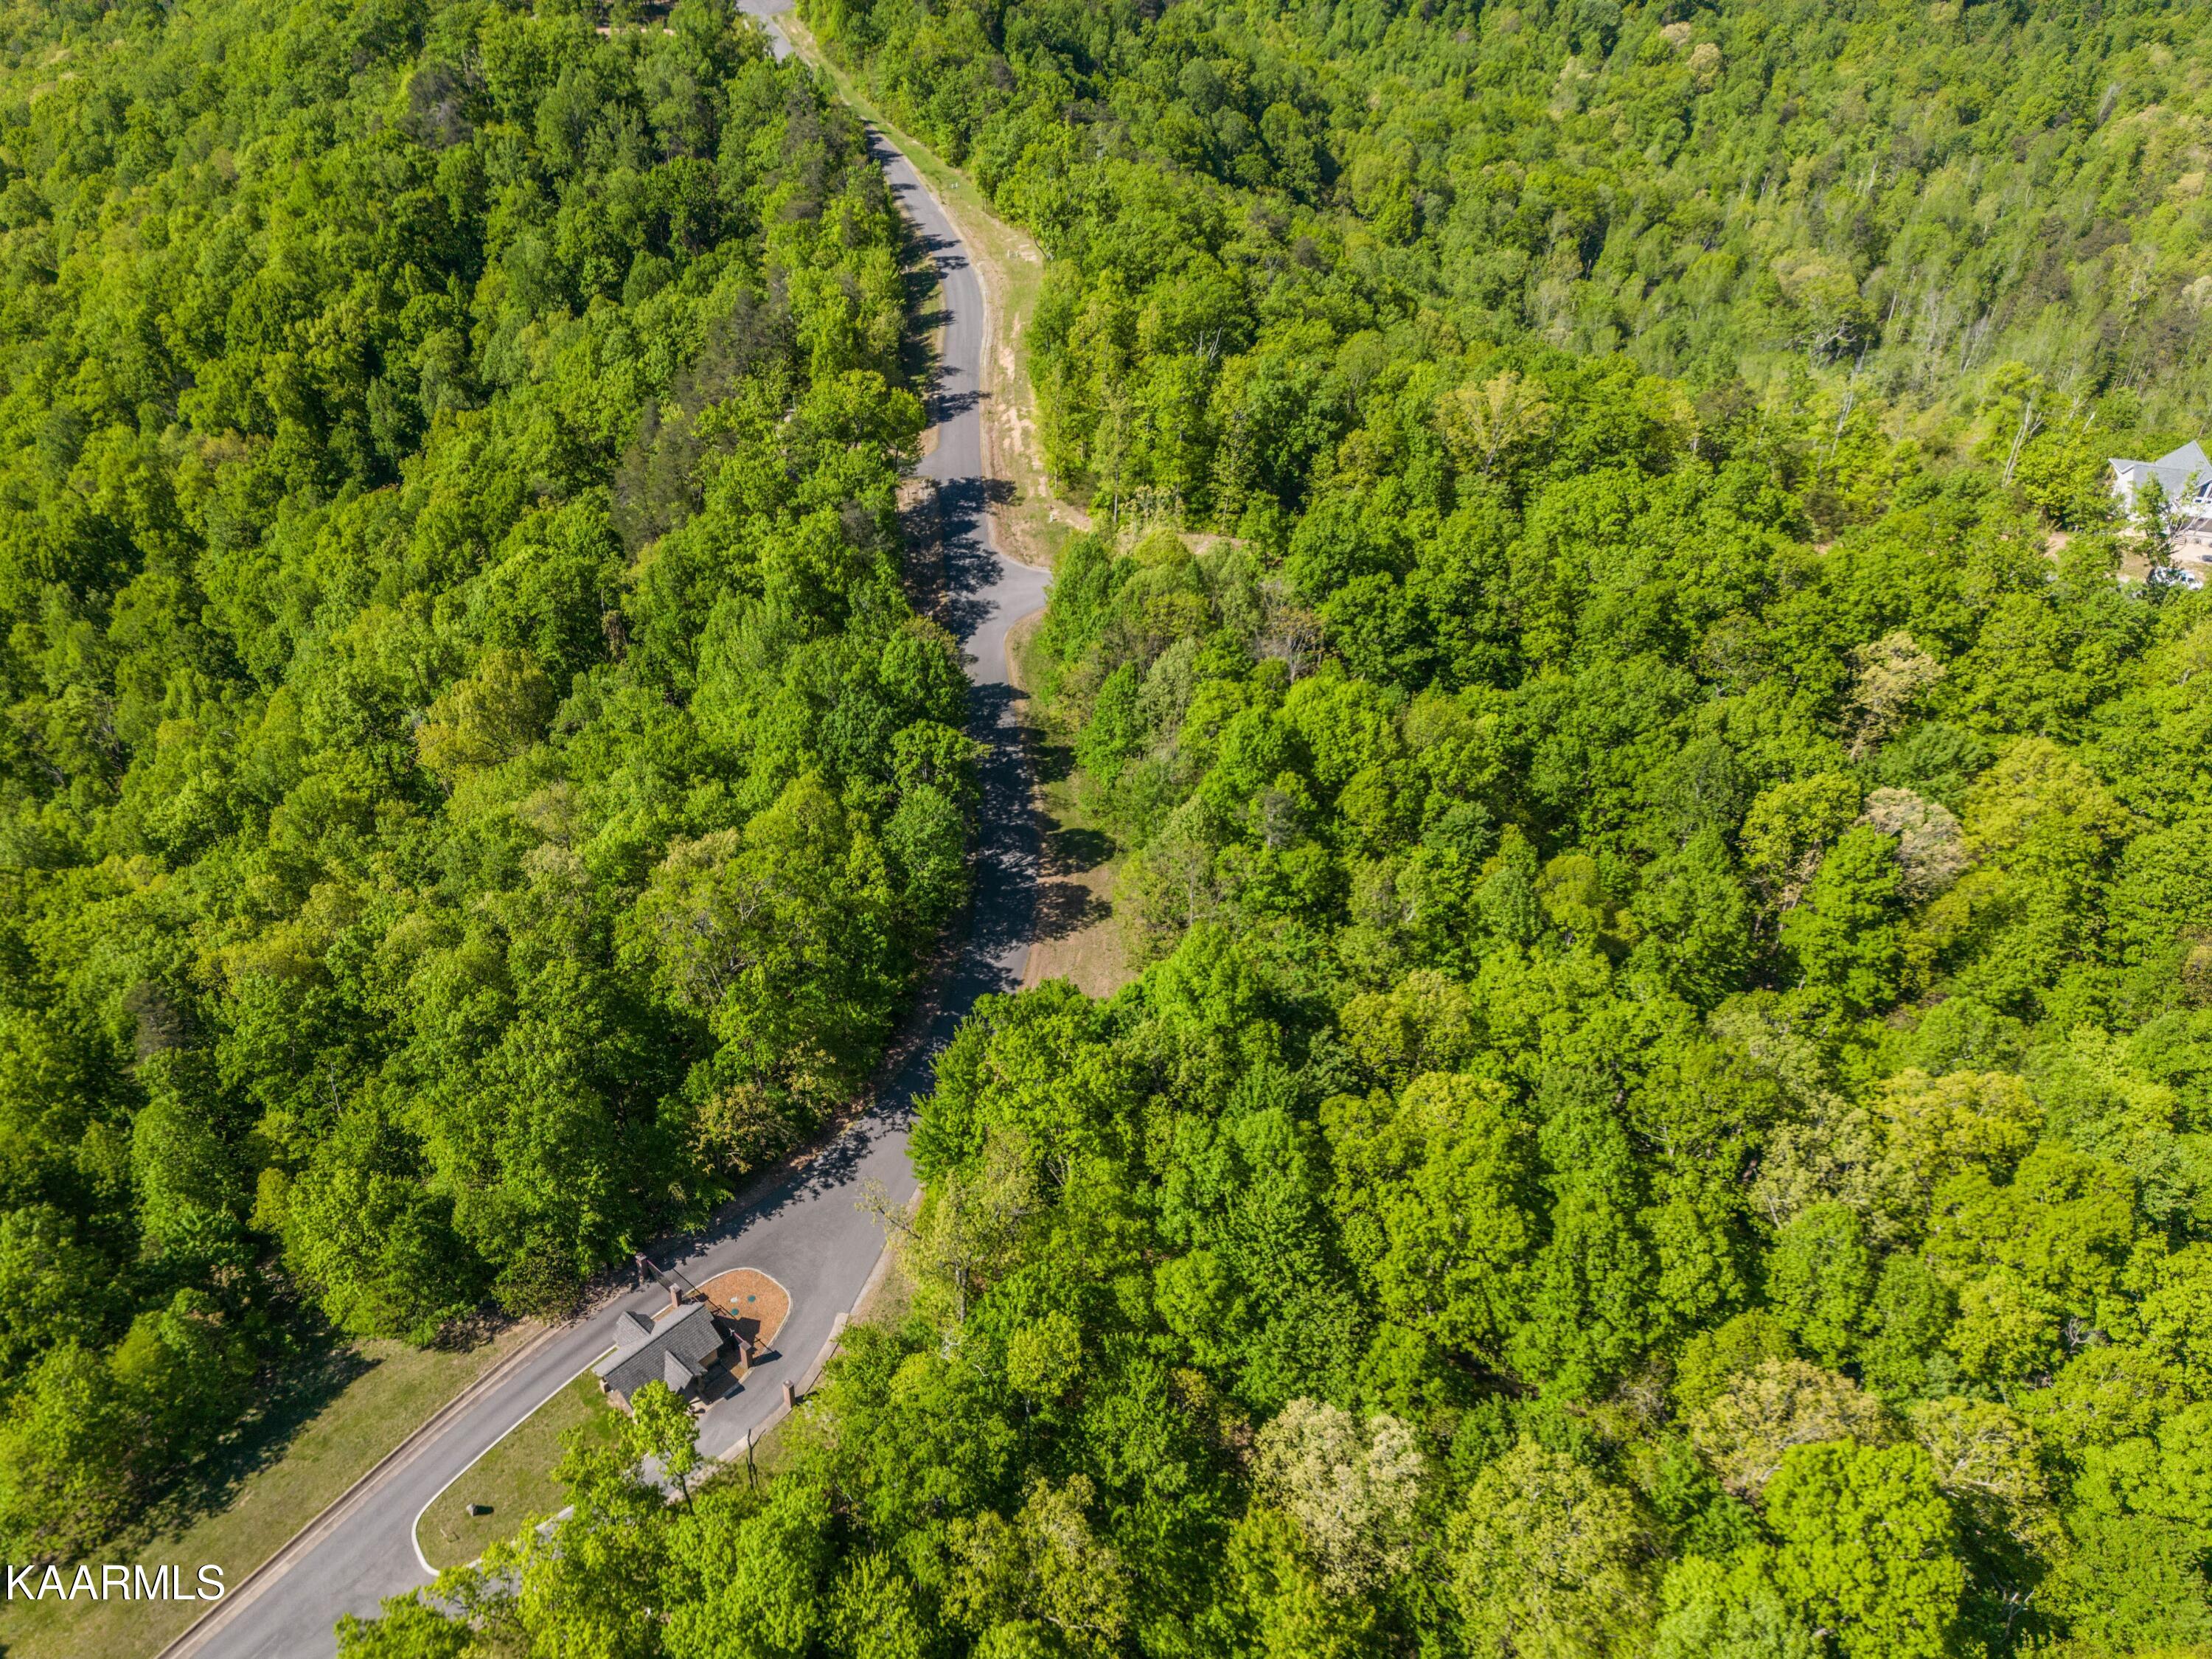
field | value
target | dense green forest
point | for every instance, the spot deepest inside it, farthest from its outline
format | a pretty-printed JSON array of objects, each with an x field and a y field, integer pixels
[
  {"x": 1910, "y": 231},
  {"x": 471, "y": 783},
  {"x": 1670, "y": 1111}
]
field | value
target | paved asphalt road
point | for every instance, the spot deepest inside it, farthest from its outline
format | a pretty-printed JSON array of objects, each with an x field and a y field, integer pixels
[{"x": 808, "y": 1232}]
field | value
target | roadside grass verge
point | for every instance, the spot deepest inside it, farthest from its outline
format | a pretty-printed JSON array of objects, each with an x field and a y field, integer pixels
[
  {"x": 1035, "y": 523},
  {"x": 886, "y": 1303},
  {"x": 1079, "y": 936},
  {"x": 393, "y": 1390},
  {"x": 513, "y": 1480}
]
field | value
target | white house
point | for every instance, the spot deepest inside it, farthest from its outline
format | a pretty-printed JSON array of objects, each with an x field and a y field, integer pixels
[{"x": 2184, "y": 479}]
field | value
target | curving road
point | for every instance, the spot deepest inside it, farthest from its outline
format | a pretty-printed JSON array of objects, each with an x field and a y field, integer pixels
[{"x": 808, "y": 1231}]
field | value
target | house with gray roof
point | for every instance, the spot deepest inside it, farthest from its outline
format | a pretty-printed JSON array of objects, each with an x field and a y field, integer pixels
[
  {"x": 2183, "y": 478},
  {"x": 679, "y": 1347}
]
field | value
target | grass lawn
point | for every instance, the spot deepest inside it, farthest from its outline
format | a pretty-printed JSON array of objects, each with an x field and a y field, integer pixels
[
  {"x": 514, "y": 1478},
  {"x": 1079, "y": 936},
  {"x": 389, "y": 1390}
]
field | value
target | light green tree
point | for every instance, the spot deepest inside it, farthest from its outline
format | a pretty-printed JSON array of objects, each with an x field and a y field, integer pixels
[
  {"x": 1548, "y": 1558},
  {"x": 1845, "y": 935},
  {"x": 1766, "y": 1412},
  {"x": 1044, "y": 1357},
  {"x": 1866, "y": 1548},
  {"x": 1435, "y": 1200},
  {"x": 1353, "y": 1488},
  {"x": 1820, "y": 1274},
  {"x": 1730, "y": 1609},
  {"x": 1791, "y": 827},
  {"x": 754, "y": 1575},
  {"x": 875, "y": 1614},
  {"x": 661, "y": 1427}
]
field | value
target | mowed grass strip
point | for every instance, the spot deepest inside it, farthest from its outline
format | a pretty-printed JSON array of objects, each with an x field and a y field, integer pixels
[
  {"x": 398, "y": 1389},
  {"x": 513, "y": 1480}
]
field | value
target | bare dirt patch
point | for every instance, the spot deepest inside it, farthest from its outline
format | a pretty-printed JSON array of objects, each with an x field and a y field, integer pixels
[{"x": 755, "y": 1305}]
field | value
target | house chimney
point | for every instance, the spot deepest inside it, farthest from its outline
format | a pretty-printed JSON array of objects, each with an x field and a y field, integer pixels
[{"x": 675, "y": 1299}]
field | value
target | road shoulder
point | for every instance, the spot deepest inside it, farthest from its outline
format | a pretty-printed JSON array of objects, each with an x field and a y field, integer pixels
[{"x": 1034, "y": 523}]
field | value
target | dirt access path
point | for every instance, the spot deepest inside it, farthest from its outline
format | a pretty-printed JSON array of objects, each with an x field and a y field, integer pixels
[{"x": 1078, "y": 934}]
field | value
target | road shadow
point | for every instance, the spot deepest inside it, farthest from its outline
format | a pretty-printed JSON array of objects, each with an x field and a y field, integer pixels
[
  {"x": 984, "y": 952},
  {"x": 1066, "y": 908},
  {"x": 971, "y": 569}
]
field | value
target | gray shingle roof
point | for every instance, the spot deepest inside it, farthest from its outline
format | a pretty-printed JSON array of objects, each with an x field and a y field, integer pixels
[
  {"x": 2184, "y": 472},
  {"x": 677, "y": 1345}
]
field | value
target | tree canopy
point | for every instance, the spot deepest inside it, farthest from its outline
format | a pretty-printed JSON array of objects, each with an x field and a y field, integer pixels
[
  {"x": 472, "y": 783},
  {"x": 1667, "y": 1108}
]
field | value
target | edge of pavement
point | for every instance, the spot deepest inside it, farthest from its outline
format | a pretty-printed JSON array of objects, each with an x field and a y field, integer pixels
[
  {"x": 188, "y": 1639},
  {"x": 1017, "y": 541},
  {"x": 747, "y": 1442},
  {"x": 210, "y": 1622},
  {"x": 415, "y": 1527},
  {"x": 811, "y": 1378},
  {"x": 916, "y": 152},
  {"x": 808, "y": 1380}
]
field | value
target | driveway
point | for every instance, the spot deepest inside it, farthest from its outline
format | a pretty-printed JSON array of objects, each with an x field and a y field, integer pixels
[{"x": 808, "y": 1231}]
